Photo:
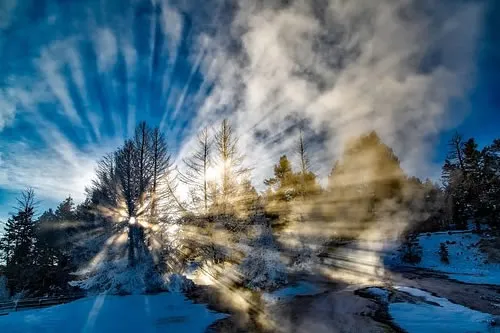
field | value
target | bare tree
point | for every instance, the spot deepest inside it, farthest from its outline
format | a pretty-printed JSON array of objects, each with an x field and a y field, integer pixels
[
  {"x": 161, "y": 165},
  {"x": 126, "y": 160},
  {"x": 196, "y": 174},
  {"x": 104, "y": 189},
  {"x": 303, "y": 156},
  {"x": 143, "y": 165},
  {"x": 230, "y": 161},
  {"x": 304, "y": 162}
]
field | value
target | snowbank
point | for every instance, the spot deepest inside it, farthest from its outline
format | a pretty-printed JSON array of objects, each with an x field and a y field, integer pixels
[
  {"x": 466, "y": 262},
  {"x": 166, "y": 312},
  {"x": 441, "y": 316}
]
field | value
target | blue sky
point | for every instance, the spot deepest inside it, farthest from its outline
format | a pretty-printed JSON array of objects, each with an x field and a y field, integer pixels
[{"x": 76, "y": 77}]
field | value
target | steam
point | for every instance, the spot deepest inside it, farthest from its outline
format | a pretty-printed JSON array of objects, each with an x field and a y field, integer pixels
[
  {"x": 335, "y": 68},
  {"x": 343, "y": 68}
]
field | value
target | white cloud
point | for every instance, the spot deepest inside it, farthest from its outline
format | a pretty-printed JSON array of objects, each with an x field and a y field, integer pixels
[
  {"x": 50, "y": 64},
  {"x": 348, "y": 67},
  {"x": 54, "y": 172},
  {"x": 106, "y": 48}
]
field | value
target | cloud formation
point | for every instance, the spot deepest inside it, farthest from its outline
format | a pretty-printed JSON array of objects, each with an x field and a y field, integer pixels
[
  {"x": 346, "y": 67},
  {"x": 337, "y": 68}
]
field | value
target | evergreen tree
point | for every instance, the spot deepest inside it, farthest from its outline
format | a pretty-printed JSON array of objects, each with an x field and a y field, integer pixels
[
  {"x": 247, "y": 199},
  {"x": 65, "y": 211},
  {"x": 18, "y": 244},
  {"x": 367, "y": 184},
  {"x": 453, "y": 177},
  {"x": 489, "y": 193},
  {"x": 285, "y": 182}
]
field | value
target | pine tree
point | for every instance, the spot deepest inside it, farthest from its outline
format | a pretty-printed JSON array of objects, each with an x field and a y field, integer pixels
[
  {"x": 454, "y": 179},
  {"x": 367, "y": 185},
  {"x": 247, "y": 198},
  {"x": 18, "y": 244},
  {"x": 489, "y": 193},
  {"x": 285, "y": 181},
  {"x": 65, "y": 211}
]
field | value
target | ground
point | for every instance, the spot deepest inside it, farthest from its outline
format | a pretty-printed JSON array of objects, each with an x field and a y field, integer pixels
[
  {"x": 165, "y": 312},
  {"x": 426, "y": 297}
]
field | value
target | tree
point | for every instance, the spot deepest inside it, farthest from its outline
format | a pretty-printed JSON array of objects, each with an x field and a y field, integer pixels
[
  {"x": 65, "y": 211},
  {"x": 133, "y": 185},
  {"x": 489, "y": 193},
  {"x": 453, "y": 176},
  {"x": 307, "y": 185},
  {"x": 464, "y": 180},
  {"x": 56, "y": 234},
  {"x": 4, "y": 292},
  {"x": 284, "y": 182},
  {"x": 454, "y": 158},
  {"x": 18, "y": 244},
  {"x": 303, "y": 156},
  {"x": 197, "y": 165},
  {"x": 129, "y": 181},
  {"x": 104, "y": 192},
  {"x": 247, "y": 198},
  {"x": 366, "y": 185},
  {"x": 230, "y": 162},
  {"x": 161, "y": 165}
]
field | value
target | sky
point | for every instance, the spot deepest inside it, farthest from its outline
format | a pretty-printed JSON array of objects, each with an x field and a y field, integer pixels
[{"x": 77, "y": 76}]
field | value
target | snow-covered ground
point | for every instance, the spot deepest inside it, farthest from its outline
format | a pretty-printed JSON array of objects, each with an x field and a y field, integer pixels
[
  {"x": 434, "y": 314},
  {"x": 466, "y": 262},
  {"x": 166, "y": 312}
]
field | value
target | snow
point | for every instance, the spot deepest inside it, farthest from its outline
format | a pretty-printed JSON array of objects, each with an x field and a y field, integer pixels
[
  {"x": 166, "y": 312},
  {"x": 443, "y": 316},
  {"x": 467, "y": 262},
  {"x": 262, "y": 268},
  {"x": 302, "y": 288},
  {"x": 380, "y": 293},
  {"x": 178, "y": 283}
]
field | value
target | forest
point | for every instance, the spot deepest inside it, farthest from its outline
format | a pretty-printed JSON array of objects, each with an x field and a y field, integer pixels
[{"x": 146, "y": 222}]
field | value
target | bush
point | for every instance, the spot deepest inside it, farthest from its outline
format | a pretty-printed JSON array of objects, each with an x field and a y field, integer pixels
[
  {"x": 411, "y": 251},
  {"x": 262, "y": 267},
  {"x": 443, "y": 253},
  {"x": 116, "y": 277}
]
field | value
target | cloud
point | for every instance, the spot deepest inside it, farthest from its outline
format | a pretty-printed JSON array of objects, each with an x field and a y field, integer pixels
[
  {"x": 6, "y": 10},
  {"x": 107, "y": 49},
  {"x": 55, "y": 172},
  {"x": 346, "y": 67},
  {"x": 339, "y": 68}
]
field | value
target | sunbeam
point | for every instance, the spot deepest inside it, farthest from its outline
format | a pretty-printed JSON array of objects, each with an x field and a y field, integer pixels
[{"x": 248, "y": 165}]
